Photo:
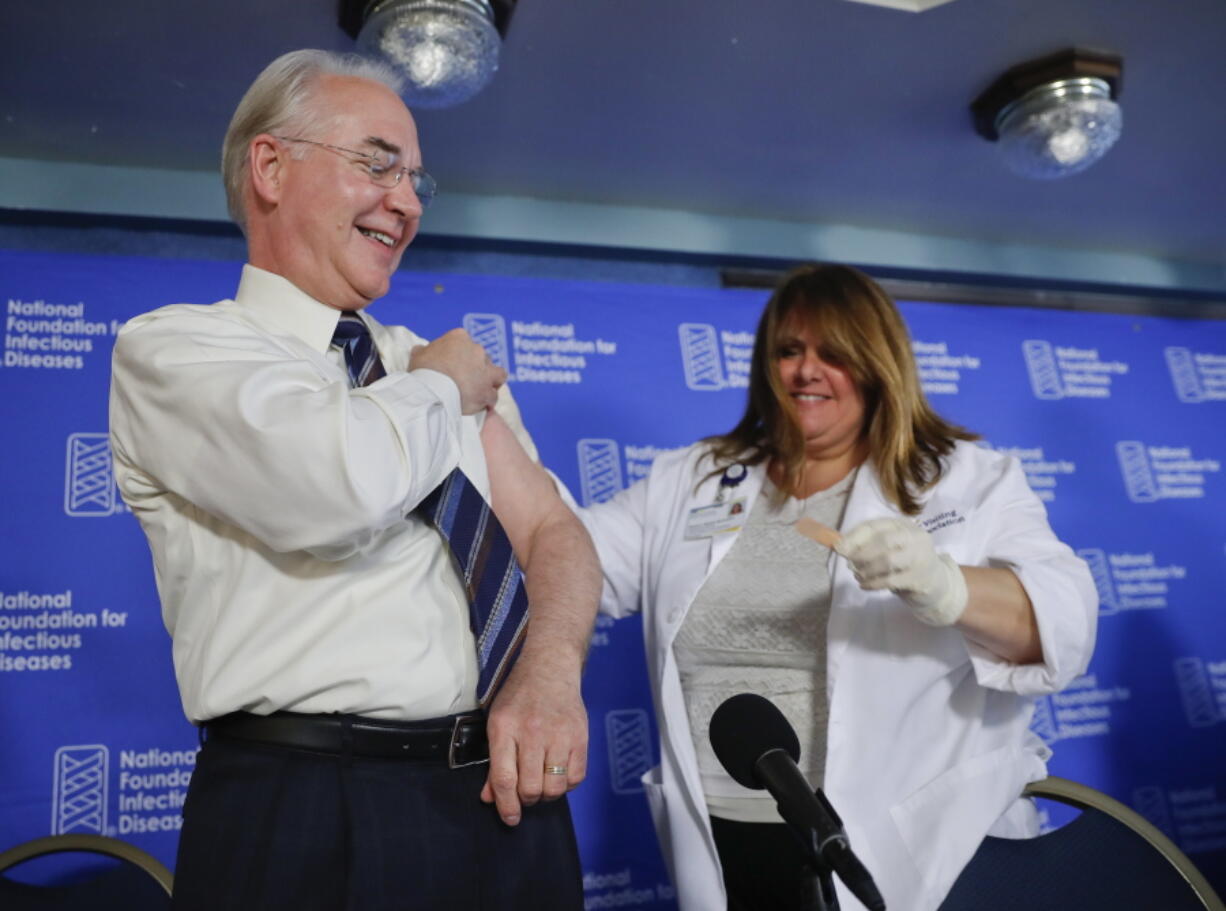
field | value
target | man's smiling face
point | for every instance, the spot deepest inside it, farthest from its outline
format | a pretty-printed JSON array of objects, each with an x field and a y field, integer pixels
[{"x": 340, "y": 236}]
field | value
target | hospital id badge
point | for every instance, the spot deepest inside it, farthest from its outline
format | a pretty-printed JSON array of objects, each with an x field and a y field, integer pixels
[{"x": 718, "y": 518}]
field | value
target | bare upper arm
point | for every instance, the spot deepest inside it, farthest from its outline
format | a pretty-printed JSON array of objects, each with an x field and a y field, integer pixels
[{"x": 521, "y": 492}]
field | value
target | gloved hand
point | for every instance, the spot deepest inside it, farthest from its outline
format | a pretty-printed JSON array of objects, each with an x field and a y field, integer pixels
[{"x": 897, "y": 554}]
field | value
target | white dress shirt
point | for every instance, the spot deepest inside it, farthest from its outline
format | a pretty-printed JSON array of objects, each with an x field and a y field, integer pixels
[{"x": 278, "y": 506}]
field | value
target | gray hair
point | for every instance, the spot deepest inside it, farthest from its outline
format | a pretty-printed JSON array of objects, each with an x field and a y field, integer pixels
[{"x": 279, "y": 101}]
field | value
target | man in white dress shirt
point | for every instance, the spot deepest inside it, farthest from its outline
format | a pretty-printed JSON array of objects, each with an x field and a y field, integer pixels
[{"x": 320, "y": 626}]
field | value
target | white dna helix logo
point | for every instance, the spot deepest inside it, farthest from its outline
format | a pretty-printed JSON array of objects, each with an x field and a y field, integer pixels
[
  {"x": 700, "y": 357},
  {"x": 600, "y": 470},
  {"x": 78, "y": 802},
  {"x": 629, "y": 741},
  {"x": 489, "y": 330},
  {"x": 1041, "y": 365},
  {"x": 89, "y": 479}
]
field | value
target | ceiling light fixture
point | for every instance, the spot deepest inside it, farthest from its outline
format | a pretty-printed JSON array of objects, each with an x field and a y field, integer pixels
[
  {"x": 447, "y": 50},
  {"x": 1054, "y": 116},
  {"x": 910, "y": 6}
]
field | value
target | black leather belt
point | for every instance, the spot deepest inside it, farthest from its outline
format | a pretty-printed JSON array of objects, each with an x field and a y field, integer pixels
[{"x": 458, "y": 740}]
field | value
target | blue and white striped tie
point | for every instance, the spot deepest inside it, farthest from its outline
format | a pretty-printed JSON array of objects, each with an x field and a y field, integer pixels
[
  {"x": 493, "y": 580},
  {"x": 361, "y": 356},
  {"x": 497, "y": 599}
]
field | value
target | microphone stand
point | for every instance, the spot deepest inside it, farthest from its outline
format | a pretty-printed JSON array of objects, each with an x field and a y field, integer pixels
[{"x": 817, "y": 886}]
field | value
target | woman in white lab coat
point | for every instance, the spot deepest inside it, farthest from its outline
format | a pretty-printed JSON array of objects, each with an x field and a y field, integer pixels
[{"x": 907, "y": 662}]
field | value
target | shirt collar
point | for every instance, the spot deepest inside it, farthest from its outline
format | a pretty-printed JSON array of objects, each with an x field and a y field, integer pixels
[{"x": 278, "y": 302}]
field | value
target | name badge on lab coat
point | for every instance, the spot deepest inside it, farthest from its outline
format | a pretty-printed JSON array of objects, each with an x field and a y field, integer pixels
[{"x": 705, "y": 521}]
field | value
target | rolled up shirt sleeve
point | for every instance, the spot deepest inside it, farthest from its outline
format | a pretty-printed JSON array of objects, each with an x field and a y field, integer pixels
[
  {"x": 1057, "y": 581},
  {"x": 271, "y": 440}
]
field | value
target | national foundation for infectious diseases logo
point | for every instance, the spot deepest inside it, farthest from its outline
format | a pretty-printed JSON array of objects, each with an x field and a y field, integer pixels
[
  {"x": 89, "y": 479},
  {"x": 1198, "y": 376},
  {"x": 629, "y": 740},
  {"x": 1063, "y": 371},
  {"x": 534, "y": 351},
  {"x": 1138, "y": 475},
  {"x": 714, "y": 359},
  {"x": 1153, "y": 473},
  {"x": 489, "y": 330},
  {"x": 604, "y": 471},
  {"x": 600, "y": 470},
  {"x": 1184, "y": 374},
  {"x": 147, "y": 795},
  {"x": 1131, "y": 581},
  {"x": 78, "y": 802},
  {"x": 1082, "y": 709},
  {"x": 1041, "y": 365},
  {"x": 1192, "y": 815}
]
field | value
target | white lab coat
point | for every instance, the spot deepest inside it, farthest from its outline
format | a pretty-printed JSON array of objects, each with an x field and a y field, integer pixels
[{"x": 928, "y": 744}]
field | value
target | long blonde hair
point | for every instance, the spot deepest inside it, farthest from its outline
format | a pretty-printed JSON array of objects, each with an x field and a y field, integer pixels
[{"x": 861, "y": 329}]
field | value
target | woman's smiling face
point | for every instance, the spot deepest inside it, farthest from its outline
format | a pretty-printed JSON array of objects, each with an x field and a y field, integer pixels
[{"x": 825, "y": 397}]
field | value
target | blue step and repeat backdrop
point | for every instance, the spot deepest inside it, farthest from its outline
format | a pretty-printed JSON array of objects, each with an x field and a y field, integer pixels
[{"x": 1119, "y": 421}]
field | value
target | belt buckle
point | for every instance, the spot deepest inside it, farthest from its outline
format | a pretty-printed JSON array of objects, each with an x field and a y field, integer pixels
[{"x": 452, "y": 761}]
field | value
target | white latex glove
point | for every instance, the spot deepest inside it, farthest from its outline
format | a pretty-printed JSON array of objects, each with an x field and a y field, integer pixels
[{"x": 897, "y": 554}]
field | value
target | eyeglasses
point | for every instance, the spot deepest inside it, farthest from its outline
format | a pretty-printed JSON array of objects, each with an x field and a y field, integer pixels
[{"x": 383, "y": 173}]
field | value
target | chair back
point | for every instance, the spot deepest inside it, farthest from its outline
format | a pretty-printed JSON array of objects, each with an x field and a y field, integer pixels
[
  {"x": 1109, "y": 857},
  {"x": 137, "y": 882}
]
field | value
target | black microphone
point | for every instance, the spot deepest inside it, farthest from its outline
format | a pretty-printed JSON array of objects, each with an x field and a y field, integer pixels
[{"x": 759, "y": 749}]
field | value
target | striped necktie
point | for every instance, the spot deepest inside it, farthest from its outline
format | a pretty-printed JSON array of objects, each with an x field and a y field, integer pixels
[
  {"x": 497, "y": 599},
  {"x": 493, "y": 580},
  {"x": 361, "y": 356}
]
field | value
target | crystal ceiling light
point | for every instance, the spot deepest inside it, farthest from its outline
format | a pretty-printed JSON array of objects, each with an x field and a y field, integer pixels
[
  {"x": 1054, "y": 116},
  {"x": 447, "y": 50}
]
